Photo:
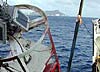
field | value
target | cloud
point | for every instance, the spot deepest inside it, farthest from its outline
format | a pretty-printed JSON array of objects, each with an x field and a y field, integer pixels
[
  {"x": 13, "y": 2},
  {"x": 91, "y": 8},
  {"x": 69, "y": 7}
]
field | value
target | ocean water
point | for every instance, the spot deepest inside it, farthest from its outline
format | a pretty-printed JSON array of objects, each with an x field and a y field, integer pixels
[{"x": 62, "y": 30}]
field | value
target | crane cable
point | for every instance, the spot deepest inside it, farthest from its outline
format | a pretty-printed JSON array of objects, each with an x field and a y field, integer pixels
[{"x": 75, "y": 37}]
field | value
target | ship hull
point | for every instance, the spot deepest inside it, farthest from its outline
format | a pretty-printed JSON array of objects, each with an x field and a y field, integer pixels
[{"x": 96, "y": 46}]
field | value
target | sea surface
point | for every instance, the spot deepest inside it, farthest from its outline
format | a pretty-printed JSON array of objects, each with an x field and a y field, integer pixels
[{"x": 62, "y": 30}]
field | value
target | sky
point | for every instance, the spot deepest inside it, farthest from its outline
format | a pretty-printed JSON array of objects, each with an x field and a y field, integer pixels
[{"x": 91, "y": 8}]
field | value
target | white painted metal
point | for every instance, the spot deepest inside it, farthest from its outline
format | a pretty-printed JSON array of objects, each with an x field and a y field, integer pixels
[
  {"x": 1, "y": 2},
  {"x": 39, "y": 53},
  {"x": 96, "y": 42}
]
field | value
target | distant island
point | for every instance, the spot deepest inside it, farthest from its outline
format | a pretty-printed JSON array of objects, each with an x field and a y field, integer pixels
[
  {"x": 54, "y": 13},
  {"x": 49, "y": 13}
]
